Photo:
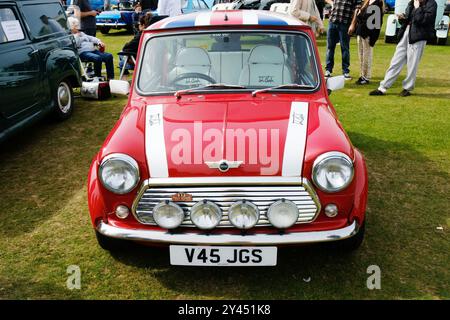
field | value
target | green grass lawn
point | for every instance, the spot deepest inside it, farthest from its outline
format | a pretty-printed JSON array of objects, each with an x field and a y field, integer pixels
[{"x": 45, "y": 226}]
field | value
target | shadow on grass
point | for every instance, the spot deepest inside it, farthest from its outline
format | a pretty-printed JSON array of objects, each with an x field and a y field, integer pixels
[
  {"x": 400, "y": 238},
  {"x": 44, "y": 165}
]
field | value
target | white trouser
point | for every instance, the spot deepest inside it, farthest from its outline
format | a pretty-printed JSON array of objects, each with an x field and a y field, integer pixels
[
  {"x": 365, "y": 53},
  {"x": 404, "y": 53}
]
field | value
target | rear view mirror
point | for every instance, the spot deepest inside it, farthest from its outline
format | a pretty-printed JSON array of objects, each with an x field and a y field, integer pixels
[
  {"x": 335, "y": 83},
  {"x": 119, "y": 87}
]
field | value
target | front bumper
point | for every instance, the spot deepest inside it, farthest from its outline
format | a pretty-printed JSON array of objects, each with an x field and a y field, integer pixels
[
  {"x": 111, "y": 24},
  {"x": 155, "y": 236}
]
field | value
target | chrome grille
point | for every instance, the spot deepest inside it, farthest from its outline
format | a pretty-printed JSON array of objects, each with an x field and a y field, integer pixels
[{"x": 224, "y": 196}]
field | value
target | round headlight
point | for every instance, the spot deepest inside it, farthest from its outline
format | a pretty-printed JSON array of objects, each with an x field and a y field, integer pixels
[
  {"x": 119, "y": 173},
  {"x": 168, "y": 215},
  {"x": 332, "y": 171},
  {"x": 206, "y": 214},
  {"x": 282, "y": 214},
  {"x": 243, "y": 214}
]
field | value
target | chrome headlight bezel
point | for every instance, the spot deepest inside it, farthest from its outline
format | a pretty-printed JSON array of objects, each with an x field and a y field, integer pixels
[
  {"x": 181, "y": 214},
  {"x": 249, "y": 204},
  {"x": 320, "y": 163},
  {"x": 273, "y": 216},
  {"x": 203, "y": 203},
  {"x": 128, "y": 161}
]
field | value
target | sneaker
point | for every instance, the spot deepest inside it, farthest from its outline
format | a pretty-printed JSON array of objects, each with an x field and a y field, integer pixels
[
  {"x": 405, "y": 93},
  {"x": 376, "y": 92},
  {"x": 347, "y": 76},
  {"x": 362, "y": 81},
  {"x": 327, "y": 74}
]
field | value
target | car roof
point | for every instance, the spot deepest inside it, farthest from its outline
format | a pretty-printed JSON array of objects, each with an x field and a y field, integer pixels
[{"x": 226, "y": 18}]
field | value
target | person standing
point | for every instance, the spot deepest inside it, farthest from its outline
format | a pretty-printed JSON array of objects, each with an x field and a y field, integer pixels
[
  {"x": 306, "y": 11},
  {"x": 149, "y": 5},
  {"x": 367, "y": 24},
  {"x": 417, "y": 26},
  {"x": 320, "y": 6},
  {"x": 87, "y": 17},
  {"x": 169, "y": 8},
  {"x": 341, "y": 16},
  {"x": 107, "y": 5}
]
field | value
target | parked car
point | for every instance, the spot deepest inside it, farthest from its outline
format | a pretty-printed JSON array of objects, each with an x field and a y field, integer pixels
[
  {"x": 195, "y": 5},
  {"x": 120, "y": 17},
  {"x": 95, "y": 4},
  {"x": 441, "y": 23},
  {"x": 39, "y": 64},
  {"x": 389, "y": 5},
  {"x": 229, "y": 145},
  {"x": 252, "y": 4}
]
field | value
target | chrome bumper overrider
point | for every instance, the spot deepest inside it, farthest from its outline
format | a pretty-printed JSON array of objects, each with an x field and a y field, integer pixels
[{"x": 227, "y": 239}]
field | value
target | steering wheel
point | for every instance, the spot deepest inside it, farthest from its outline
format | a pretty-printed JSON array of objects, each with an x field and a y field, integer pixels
[{"x": 190, "y": 75}]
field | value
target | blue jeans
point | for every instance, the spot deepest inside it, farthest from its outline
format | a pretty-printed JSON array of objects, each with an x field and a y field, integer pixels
[
  {"x": 97, "y": 58},
  {"x": 338, "y": 32}
]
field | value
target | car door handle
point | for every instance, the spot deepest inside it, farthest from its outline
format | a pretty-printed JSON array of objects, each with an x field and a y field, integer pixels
[{"x": 33, "y": 52}]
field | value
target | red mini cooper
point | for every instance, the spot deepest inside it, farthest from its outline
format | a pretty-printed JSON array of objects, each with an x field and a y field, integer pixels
[{"x": 229, "y": 146}]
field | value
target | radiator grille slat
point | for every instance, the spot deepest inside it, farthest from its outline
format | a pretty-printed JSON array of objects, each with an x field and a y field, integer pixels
[{"x": 262, "y": 196}]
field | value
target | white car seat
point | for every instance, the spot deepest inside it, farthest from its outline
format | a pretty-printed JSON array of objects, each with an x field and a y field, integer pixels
[
  {"x": 189, "y": 60},
  {"x": 265, "y": 68}
]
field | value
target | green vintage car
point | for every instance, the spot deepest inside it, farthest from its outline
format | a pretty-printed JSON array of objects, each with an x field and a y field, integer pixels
[{"x": 39, "y": 64}]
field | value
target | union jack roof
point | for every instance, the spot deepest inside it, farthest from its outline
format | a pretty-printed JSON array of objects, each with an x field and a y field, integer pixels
[{"x": 227, "y": 18}]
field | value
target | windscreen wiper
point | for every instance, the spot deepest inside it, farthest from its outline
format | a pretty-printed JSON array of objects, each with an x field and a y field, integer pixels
[
  {"x": 179, "y": 93},
  {"x": 284, "y": 86}
]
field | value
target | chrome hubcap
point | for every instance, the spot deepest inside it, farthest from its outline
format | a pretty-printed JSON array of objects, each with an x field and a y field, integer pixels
[{"x": 64, "y": 97}]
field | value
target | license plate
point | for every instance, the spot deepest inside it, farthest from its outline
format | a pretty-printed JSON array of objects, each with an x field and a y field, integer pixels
[{"x": 223, "y": 256}]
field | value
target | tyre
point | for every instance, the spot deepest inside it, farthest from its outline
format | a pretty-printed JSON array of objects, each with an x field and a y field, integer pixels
[
  {"x": 390, "y": 39},
  {"x": 63, "y": 100},
  {"x": 130, "y": 29},
  {"x": 352, "y": 243},
  {"x": 105, "y": 30},
  {"x": 441, "y": 41},
  {"x": 110, "y": 244}
]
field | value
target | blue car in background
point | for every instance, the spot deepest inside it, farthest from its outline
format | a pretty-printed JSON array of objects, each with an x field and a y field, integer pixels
[
  {"x": 120, "y": 17},
  {"x": 390, "y": 5},
  {"x": 95, "y": 4}
]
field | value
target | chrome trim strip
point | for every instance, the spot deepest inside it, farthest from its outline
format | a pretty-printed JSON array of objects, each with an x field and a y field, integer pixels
[
  {"x": 110, "y": 24},
  {"x": 227, "y": 181},
  {"x": 227, "y": 239},
  {"x": 331, "y": 155}
]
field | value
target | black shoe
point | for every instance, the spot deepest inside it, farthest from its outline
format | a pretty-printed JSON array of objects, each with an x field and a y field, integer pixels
[
  {"x": 362, "y": 81},
  {"x": 404, "y": 93},
  {"x": 376, "y": 93}
]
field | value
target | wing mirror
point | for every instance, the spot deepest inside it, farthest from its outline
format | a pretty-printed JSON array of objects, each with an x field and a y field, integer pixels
[
  {"x": 335, "y": 83},
  {"x": 119, "y": 87}
]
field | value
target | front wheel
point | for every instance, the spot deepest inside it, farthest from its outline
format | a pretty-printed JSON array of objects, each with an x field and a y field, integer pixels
[
  {"x": 63, "y": 100},
  {"x": 110, "y": 244},
  {"x": 105, "y": 30},
  {"x": 353, "y": 243},
  {"x": 441, "y": 41},
  {"x": 390, "y": 39}
]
